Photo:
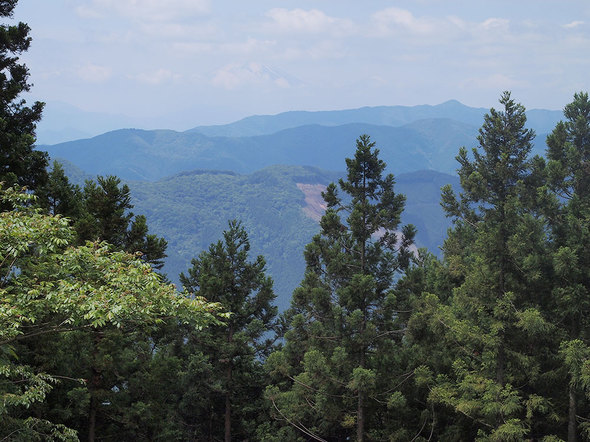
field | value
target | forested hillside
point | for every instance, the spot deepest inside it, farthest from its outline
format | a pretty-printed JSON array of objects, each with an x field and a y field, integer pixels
[
  {"x": 486, "y": 339},
  {"x": 272, "y": 208}
]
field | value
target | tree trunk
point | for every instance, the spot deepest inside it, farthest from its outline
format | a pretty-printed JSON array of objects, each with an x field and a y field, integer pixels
[
  {"x": 228, "y": 411},
  {"x": 502, "y": 290},
  {"x": 572, "y": 435},
  {"x": 360, "y": 424},
  {"x": 571, "y": 426},
  {"x": 360, "y": 413},
  {"x": 93, "y": 387},
  {"x": 92, "y": 418},
  {"x": 500, "y": 364},
  {"x": 228, "y": 389}
]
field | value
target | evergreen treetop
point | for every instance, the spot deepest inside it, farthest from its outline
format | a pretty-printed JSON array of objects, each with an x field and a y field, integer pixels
[{"x": 20, "y": 164}]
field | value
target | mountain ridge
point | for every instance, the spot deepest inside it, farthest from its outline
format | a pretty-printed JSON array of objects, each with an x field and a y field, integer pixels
[
  {"x": 136, "y": 154},
  {"x": 396, "y": 115},
  {"x": 63, "y": 122}
]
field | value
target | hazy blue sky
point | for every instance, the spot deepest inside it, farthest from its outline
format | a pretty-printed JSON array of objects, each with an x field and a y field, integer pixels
[{"x": 219, "y": 60}]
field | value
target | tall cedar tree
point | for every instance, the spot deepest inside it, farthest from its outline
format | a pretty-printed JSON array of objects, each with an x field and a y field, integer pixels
[
  {"x": 569, "y": 179},
  {"x": 342, "y": 319},
  {"x": 424, "y": 351},
  {"x": 59, "y": 196},
  {"x": 236, "y": 350},
  {"x": 108, "y": 363},
  {"x": 106, "y": 216},
  {"x": 495, "y": 320},
  {"x": 20, "y": 164}
]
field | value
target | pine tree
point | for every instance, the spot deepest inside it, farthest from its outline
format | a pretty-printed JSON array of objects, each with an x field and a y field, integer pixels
[
  {"x": 236, "y": 350},
  {"x": 496, "y": 316},
  {"x": 342, "y": 319},
  {"x": 569, "y": 181},
  {"x": 59, "y": 196},
  {"x": 20, "y": 164}
]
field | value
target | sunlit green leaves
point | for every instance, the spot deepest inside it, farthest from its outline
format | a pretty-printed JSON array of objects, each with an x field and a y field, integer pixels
[{"x": 48, "y": 286}]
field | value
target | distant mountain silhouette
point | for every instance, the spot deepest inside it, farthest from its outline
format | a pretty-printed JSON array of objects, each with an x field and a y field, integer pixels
[
  {"x": 150, "y": 155},
  {"x": 540, "y": 120}
]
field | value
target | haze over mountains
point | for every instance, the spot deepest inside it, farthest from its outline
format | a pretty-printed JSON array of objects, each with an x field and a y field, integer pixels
[
  {"x": 428, "y": 138},
  {"x": 63, "y": 122},
  {"x": 190, "y": 183}
]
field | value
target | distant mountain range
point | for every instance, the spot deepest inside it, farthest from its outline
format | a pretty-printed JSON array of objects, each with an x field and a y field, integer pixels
[
  {"x": 279, "y": 206},
  {"x": 190, "y": 183},
  {"x": 541, "y": 120},
  {"x": 428, "y": 138},
  {"x": 135, "y": 154}
]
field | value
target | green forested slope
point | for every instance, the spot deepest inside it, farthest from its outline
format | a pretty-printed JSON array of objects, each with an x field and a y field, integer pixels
[{"x": 191, "y": 209}]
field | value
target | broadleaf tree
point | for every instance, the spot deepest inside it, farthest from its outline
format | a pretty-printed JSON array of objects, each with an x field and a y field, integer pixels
[{"x": 49, "y": 287}]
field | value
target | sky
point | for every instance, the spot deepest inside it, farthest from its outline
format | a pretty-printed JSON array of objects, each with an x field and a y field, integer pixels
[{"x": 183, "y": 63}]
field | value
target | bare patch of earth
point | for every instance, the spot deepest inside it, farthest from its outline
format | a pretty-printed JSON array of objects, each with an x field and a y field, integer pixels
[
  {"x": 315, "y": 206},
  {"x": 314, "y": 203}
]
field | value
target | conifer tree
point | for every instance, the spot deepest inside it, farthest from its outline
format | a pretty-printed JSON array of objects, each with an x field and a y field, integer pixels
[
  {"x": 59, "y": 196},
  {"x": 106, "y": 215},
  {"x": 342, "y": 319},
  {"x": 236, "y": 350},
  {"x": 496, "y": 317},
  {"x": 20, "y": 164},
  {"x": 106, "y": 356},
  {"x": 49, "y": 288},
  {"x": 568, "y": 172}
]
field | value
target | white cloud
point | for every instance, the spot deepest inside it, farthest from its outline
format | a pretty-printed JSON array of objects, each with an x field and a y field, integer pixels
[
  {"x": 148, "y": 10},
  {"x": 239, "y": 48},
  {"x": 495, "y": 24},
  {"x": 93, "y": 73},
  {"x": 573, "y": 24},
  {"x": 404, "y": 24},
  {"x": 390, "y": 20},
  {"x": 311, "y": 21}
]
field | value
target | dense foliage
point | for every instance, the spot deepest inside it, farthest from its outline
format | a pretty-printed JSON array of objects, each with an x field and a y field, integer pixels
[
  {"x": 382, "y": 341},
  {"x": 50, "y": 289},
  {"x": 232, "y": 393},
  {"x": 329, "y": 375},
  {"x": 269, "y": 204}
]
